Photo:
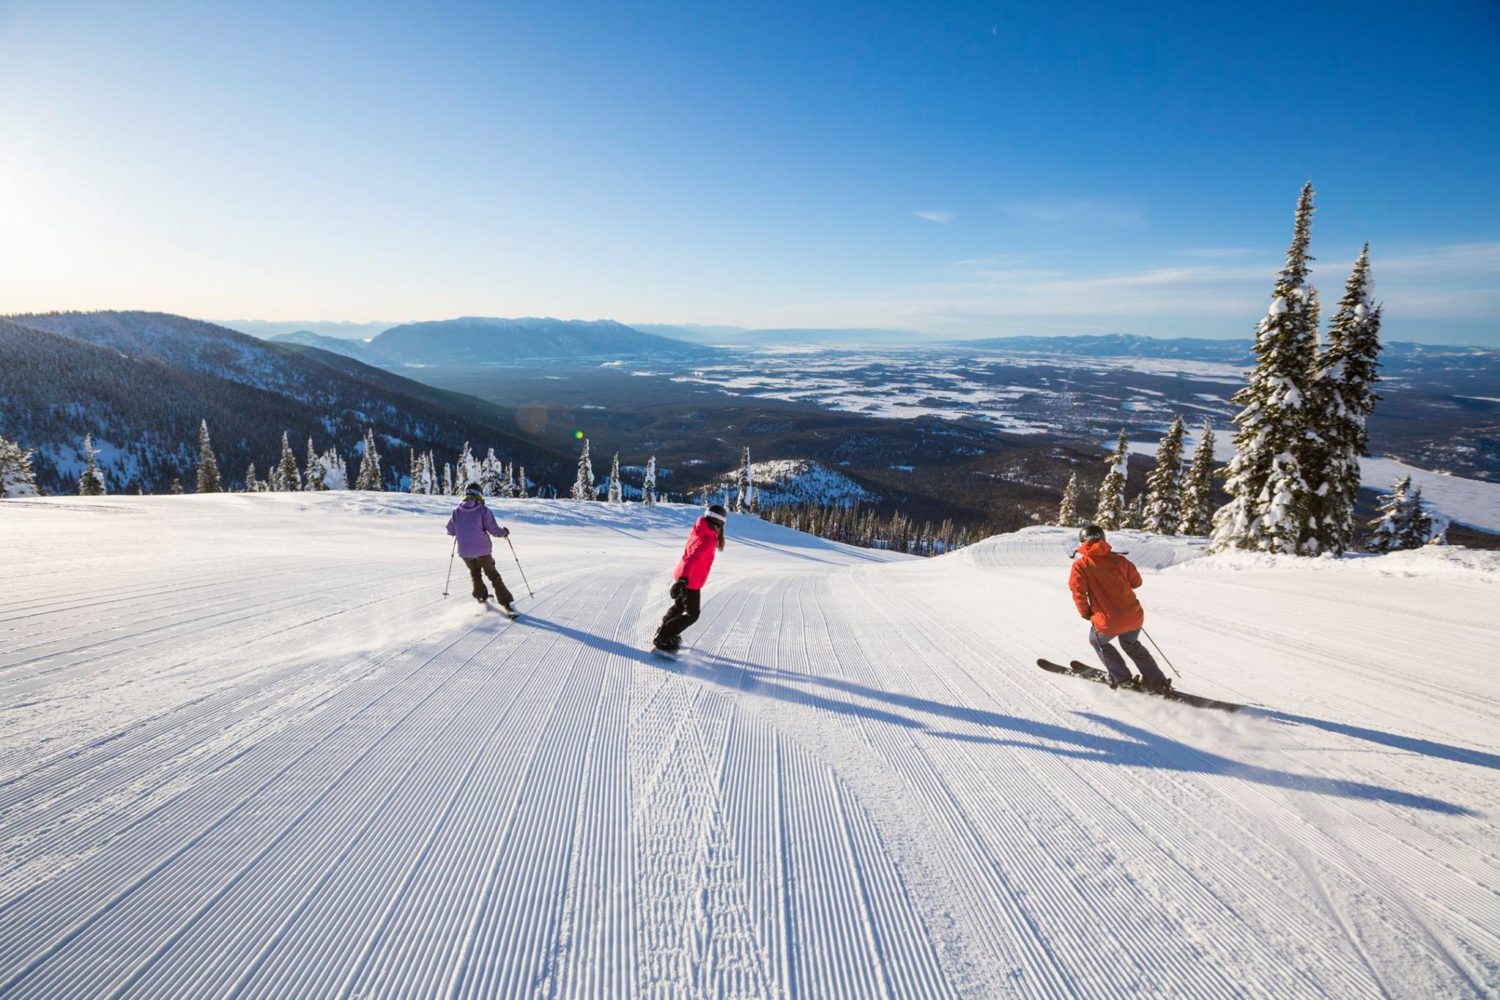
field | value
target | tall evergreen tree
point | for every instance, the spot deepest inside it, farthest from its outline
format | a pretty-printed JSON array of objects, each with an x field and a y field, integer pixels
[
  {"x": 369, "y": 465},
  {"x": 447, "y": 479},
  {"x": 583, "y": 484},
  {"x": 91, "y": 483},
  {"x": 491, "y": 475},
  {"x": 1271, "y": 505},
  {"x": 745, "y": 483},
  {"x": 1110, "y": 513},
  {"x": 1197, "y": 487},
  {"x": 208, "y": 466},
  {"x": 286, "y": 478},
  {"x": 1163, "y": 513},
  {"x": 16, "y": 476},
  {"x": 616, "y": 495},
  {"x": 313, "y": 481},
  {"x": 648, "y": 483},
  {"x": 521, "y": 491},
  {"x": 1067, "y": 511},
  {"x": 1347, "y": 374},
  {"x": 252, "y": 480},
  {"x": 177, "y": 487}
]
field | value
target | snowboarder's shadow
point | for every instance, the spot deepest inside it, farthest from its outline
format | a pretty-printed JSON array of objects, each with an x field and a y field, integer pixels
[{"x": 1134, "y": 747}]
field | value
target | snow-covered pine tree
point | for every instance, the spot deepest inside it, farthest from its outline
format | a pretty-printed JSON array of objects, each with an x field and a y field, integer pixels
[
  {"x": 414, "y": 481},
  {"x": 754, "y": 499},
  {"x": 583, "y": 485},
  {"x": 744, "y": 484},
  {"x": 335, "y": 471},
  {"x": 177, "y": 487},
  {"x": 1067, "y": 511},
  {"x": 287, "y": 478},
  {"x": 313, "y": 481},
  {"x": 1271, "y": 505},
  {"x": 1418, "y": 522},
  {"x": 508, "y": 482},
  {"x": 1392, "y": 528},
  {"x": 369, "y": 465},
  {"x": 91, "y": 483},
  {"x": 447, "y": 479},
  {"x": 1347, "y": 373},
  {"x": 616, "y": 495},
  {"x": 1197, "y": 487},
  {"x": 1110, "y": 513},
  {"x": 492, "y": 475},
  {"x": 1135, "y": 512},
  {"x": 521, "y": 493},
  {"x": 648, "y": 483},
  {"x": 252, "y": 480},
  {"x": 16, "y": 476},
  {"x": 1164, "y": 485},
  {"x": 208, "y": 466}
]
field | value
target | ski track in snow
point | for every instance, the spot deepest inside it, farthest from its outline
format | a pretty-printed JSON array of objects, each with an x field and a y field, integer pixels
[{"x": 260, "y": 755}]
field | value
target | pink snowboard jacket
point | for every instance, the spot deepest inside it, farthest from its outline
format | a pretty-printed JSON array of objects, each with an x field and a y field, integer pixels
[{"x": 698, "y": 555}]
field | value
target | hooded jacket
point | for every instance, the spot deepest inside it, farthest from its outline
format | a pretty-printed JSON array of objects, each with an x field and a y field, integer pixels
[
  {"x": 698, "y": 554},
  {"x": 1103, "y": 586},
  {"x": 473, "y": 524}
]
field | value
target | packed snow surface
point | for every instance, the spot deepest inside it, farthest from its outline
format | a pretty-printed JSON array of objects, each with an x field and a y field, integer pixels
[{"x": 247, "y": 748}]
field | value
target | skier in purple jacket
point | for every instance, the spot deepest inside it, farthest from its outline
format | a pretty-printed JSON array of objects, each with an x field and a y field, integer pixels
[{"x": 472, "y": 524}]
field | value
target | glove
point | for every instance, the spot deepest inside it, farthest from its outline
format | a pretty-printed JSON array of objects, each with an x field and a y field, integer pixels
[
  {"x": 504, "y": 533},
  {"x": 679, "y": 586}
]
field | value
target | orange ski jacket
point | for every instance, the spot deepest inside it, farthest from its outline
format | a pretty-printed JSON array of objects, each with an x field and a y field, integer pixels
[{"x": 1103, "y": 586}]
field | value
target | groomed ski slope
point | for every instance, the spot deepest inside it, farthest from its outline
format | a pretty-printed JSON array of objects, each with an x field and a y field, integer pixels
[{"x": 247, "y": 749}]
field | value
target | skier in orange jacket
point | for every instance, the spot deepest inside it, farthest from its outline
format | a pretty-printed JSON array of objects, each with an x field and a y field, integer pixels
[{"x": 1103, "y": 585}]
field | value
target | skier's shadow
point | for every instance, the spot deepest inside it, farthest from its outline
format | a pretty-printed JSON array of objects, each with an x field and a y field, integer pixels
[{"x": 1134, "y": 747}]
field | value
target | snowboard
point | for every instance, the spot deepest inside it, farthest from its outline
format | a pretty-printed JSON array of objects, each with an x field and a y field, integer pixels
[
  {"x": 1077, "y": 669},
  {"x": 666, "y": 654}
]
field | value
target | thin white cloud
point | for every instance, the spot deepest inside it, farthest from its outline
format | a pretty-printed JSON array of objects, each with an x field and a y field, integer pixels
[
  {"x": 1422, "y": 290},
  {"x": 1076, "y": 211},
  {"x": 941, "y": 218}
]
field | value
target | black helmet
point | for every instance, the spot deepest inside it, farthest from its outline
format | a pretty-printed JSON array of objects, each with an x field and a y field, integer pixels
[
  {"x": 1090, "y": 533},
  {"x": 473, "y": 490},
  {"x": 717, "y": 514}
]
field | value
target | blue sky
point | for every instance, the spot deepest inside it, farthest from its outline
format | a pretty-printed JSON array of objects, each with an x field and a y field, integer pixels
[{"x": 967, "y": 170}]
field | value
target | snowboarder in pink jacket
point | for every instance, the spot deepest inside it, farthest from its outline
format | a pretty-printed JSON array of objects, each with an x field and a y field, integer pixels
[{"x": 705, "y": 540}]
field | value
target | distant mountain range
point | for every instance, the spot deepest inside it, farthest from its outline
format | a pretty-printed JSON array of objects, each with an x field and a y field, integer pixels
[
  {"x": 139, "y": 382},
  {"x": 489, "y": 340}
]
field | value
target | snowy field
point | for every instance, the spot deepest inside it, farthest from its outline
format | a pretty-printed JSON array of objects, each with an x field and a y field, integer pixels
[{"x": 248, "y": 749}]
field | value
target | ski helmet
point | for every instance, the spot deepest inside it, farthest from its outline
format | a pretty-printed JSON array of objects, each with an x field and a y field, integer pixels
[
  {"x": 1090, "y": 533},
  {"x": 473, "y": 490},
  {"x": 717, "y": 514}
]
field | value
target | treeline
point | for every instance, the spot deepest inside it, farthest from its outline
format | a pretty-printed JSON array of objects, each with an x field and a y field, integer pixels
[
  {"x": 855, "y": 525},
  {"x": 1301, "y": 431}
]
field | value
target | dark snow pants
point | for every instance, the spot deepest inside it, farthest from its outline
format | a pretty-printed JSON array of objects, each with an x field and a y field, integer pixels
[
  {"x": 486, "y": 565},
  {"x": 1115, "y": 663},
  {"x": 683, "y": 612}
]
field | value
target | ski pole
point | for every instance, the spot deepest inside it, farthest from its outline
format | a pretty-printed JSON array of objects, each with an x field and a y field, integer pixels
[
  {"x": 450, "y": 566},
  {"x": 518, "y": 565},
  {"x": 1158, "y": 649}
]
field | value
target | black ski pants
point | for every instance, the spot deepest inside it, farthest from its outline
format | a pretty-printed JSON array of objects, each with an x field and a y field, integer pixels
[
  {"x": 486, "y": 566},
  {"x": 1115, "y": 663},
  {"x": 683, "y": 612}
]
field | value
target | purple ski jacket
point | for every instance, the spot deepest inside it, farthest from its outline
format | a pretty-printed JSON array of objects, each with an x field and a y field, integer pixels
[{"x": 473, "y": 524}]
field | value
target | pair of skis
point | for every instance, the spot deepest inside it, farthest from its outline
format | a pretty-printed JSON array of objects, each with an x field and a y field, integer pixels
[{"x": 1077, "y": 669}]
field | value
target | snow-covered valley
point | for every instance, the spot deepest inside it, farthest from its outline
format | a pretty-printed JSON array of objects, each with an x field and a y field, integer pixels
[{"x": 247, "y": 748}]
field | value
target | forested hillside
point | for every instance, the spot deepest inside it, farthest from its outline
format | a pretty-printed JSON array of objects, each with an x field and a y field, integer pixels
[{"x": 140, "y": 383}]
